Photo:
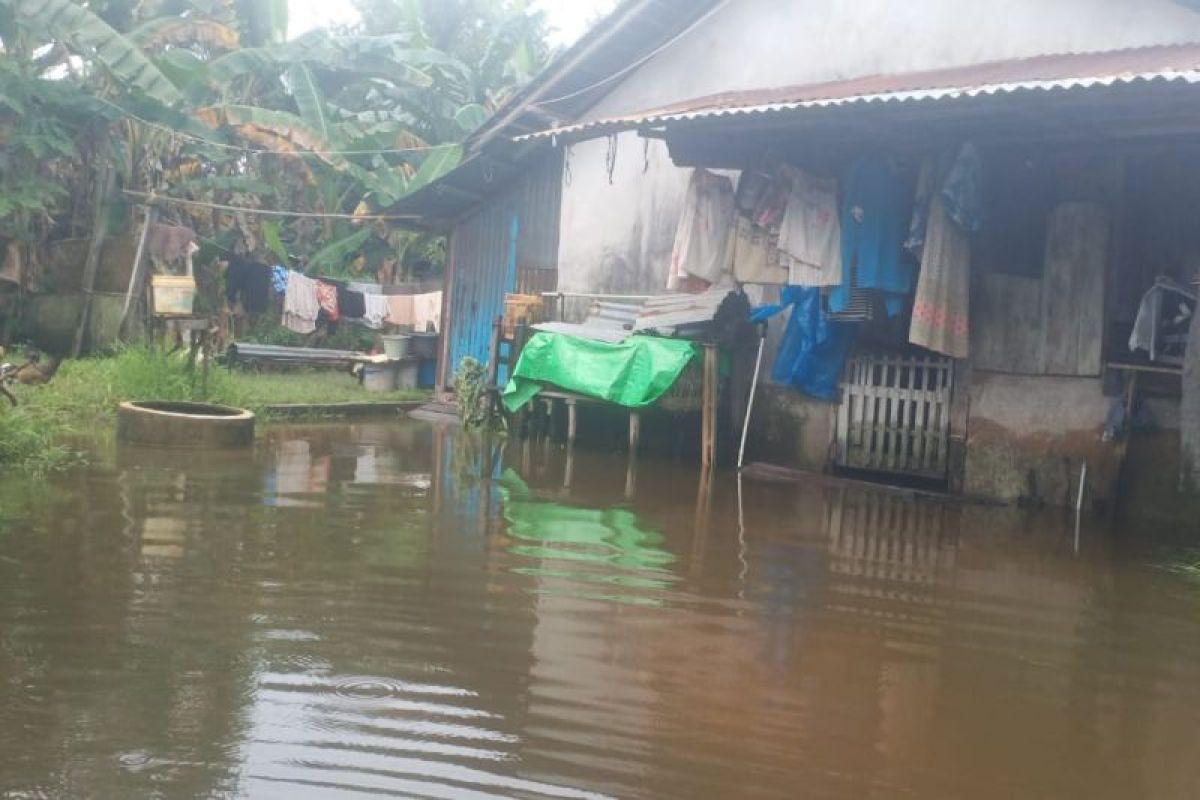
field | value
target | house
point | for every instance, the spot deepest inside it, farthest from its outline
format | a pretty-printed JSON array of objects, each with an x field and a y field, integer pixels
[{"x": 1083, "y": 114}]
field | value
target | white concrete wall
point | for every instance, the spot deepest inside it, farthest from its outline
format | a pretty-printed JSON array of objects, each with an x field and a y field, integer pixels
[{"x": 616, "y": 236}]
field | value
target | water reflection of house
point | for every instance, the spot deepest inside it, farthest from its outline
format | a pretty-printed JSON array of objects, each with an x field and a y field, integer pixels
[{"x": 1084, "y": 121}]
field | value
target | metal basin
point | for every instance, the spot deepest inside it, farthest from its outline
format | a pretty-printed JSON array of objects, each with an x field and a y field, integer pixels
[{"x": 177, "y": 424}]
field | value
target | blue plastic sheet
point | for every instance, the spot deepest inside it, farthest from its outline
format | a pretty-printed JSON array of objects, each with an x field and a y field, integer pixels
[{"x": 814, "y": 349}]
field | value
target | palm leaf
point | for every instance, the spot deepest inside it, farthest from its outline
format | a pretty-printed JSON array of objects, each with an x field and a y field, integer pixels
[
  {"x": 437, "y": 163},
  {"x": 65, "y": 20},
  {"x": 280, "y": 125},
  {"x": 470, "y": 117},
  {"x": 265, "y": 21},
  {"x": 270, "y": 234},
  {"x": 246, "y": 61},
  {"x": 182, "y": 31},
  {"x": 337, "y": 253},
  {"x": 309, "y": 100}
]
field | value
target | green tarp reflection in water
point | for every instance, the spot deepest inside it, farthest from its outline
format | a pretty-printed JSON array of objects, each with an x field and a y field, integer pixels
[
  {"x": 633, "y": 373},
  {"x": 586, "y": 546}
]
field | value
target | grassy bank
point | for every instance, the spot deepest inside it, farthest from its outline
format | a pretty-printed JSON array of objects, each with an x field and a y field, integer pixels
[{"x": 85, "y": 393}]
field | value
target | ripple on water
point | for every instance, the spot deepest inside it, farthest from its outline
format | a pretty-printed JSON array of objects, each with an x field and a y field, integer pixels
[{"x": 367, "y": 688}]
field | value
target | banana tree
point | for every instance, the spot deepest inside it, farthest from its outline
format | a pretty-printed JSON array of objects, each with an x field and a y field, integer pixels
[{"x": 243, "y": 117}]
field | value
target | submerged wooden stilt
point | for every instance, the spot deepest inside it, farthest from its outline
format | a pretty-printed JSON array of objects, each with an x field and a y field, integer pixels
[{"x": 708, "y": 425}]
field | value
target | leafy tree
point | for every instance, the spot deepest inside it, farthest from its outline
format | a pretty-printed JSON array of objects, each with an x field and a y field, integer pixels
[{"x": 343, "y": 122}]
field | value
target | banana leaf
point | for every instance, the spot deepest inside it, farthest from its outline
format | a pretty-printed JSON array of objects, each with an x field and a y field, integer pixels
[
  {"x": 88, "y": 33},
  {"x": 333, "y": 255}
]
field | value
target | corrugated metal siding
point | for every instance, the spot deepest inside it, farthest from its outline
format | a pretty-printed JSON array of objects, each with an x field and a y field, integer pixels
[{"x": 516, "y": 229}]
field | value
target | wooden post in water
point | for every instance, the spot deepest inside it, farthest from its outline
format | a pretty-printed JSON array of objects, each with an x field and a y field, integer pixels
[
  {"x": 635, "y": 438},
  {"x": 708, "y": 424}
]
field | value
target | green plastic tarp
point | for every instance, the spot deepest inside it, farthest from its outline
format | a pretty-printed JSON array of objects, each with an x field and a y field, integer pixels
[{"x": 633, "y": 373}]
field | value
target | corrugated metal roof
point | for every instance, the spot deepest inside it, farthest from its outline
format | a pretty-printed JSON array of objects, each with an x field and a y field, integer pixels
[{"x": 1065, "y": 72}]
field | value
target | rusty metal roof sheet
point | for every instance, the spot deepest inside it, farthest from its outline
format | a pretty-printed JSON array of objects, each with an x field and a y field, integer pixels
[{"x": 1065, "y": 72}]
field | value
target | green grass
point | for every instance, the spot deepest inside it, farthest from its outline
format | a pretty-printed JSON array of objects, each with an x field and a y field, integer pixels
[
  {"x": 84, "y": 394},
  {"x": 258, "y": 390}
]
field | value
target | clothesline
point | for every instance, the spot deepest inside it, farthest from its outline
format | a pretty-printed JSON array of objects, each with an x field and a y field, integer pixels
[
  {"x": 308, "y": 300},
  {"x": 269, "y": 212},
  {"x": 257, "y": 151}
]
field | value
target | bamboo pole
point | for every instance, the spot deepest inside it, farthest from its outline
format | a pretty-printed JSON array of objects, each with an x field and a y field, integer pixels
[{"x": 135, "y": 273}]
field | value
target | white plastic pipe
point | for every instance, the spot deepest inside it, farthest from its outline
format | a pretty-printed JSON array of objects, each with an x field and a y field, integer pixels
[
  {"x": 1079, "y": 504},
  {"x": 750, "y": 403}
]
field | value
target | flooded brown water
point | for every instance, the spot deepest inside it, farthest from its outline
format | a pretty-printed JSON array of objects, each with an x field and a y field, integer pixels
[{"x": 387, "y": 610}]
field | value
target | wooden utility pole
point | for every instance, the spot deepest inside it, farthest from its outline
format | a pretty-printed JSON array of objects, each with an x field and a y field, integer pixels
[{"x": 104, "y": 186}]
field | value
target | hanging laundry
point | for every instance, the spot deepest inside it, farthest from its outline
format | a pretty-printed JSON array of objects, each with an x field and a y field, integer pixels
[
  {"x": 327, "y": 299},
  {"x": 810, "y": 235},
  {"x": 875, "y": 216},
  {"x": 351, "y": 303},
  {"x": 427, "y": 312},
  {"x": 248, "y": 282},
  {"x": 400, "y": 309},
  {"x": 914, "y": 245},
  {"x": 169, "y": 242},
  {"x": 941, "y": 308},
  {"x": 364, "y": 288},
  {"x": 703, "y": 239},
  {"x": 861, "y": 305},
  {"x": 1166, "y": 301},
  {"x": 755, "y": 256},
  {"x": 772, "y": 204},
  {"x": 962, "y": 190},
  {"x": 300, "y": 306},
  {"x": 751, "y": 189},
  {"x": 375, "y": 310},
  {"x": 279, "y": 278}
]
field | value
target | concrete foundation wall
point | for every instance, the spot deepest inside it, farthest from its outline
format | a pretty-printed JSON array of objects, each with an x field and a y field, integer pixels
[
  {"x": 1028, "y": 437},
  {"x": 790, "y": 429}
]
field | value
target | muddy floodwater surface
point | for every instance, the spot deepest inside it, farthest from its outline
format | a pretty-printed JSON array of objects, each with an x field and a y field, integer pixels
[{"x": 394, "y": 610}]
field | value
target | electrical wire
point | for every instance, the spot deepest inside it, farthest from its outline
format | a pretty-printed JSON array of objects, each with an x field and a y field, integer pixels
[
  {"x": 634, "y": 65},
  {"x": 270, "y": 212}
]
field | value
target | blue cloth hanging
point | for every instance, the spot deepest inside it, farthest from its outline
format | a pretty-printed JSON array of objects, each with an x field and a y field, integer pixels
[
  {"x": 814, "y": 348},
  {"x": 876, "y": 212}
]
